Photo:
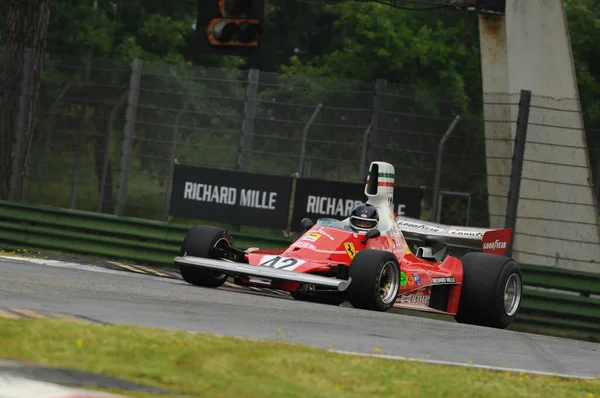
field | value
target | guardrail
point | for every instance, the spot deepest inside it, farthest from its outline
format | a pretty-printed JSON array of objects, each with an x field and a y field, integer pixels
[
  {"x": 132, "y": 239},
  {"x": 569, "y": 305},
  {"x": 565, "y": 303}
]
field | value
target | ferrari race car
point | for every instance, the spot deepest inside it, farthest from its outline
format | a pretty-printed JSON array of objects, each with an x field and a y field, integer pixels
[{"x": 332, "y": 261}]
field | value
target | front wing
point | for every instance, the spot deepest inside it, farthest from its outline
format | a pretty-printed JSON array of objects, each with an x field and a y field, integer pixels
[{"x": 246, "y": 270}]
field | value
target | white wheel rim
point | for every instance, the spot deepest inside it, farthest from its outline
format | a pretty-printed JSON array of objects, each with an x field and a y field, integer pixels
[{"x": 512, "y": 294}]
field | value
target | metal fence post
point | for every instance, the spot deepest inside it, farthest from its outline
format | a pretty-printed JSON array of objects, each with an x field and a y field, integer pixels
[
  {"x": 77, "y": 163},
  {"x": 435, "y": 208},
  {"x": 130, "y": 117},
  {"x": 109, "y": 129},
  {"x": 21, "y": 126},
  {"x": 362, "y": 170},
  {"x": 305, "y": 136},
  {"x": 243, "y": 160},
  {"x": 517, "y": 166},
  {"x": 292, "y": 203},
  {"x": 169, "y": 184},
  {"x": 598, "y": 184},
  {"x": 48, "y": 141},
  {"x": 380, "y": 89}
]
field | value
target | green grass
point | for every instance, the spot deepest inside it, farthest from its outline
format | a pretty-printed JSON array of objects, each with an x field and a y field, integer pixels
[{"x": 200, "y": 365}]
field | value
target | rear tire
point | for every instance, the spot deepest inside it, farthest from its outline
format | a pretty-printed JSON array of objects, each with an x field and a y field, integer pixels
[
  {"x": 201, "y": 241},
  {"x": 492, "y": 290},
  {"x": 375, "y": 280}
]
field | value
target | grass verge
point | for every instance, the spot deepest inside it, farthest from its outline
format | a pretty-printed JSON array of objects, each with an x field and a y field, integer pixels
[{"x": 198, "y": 365}]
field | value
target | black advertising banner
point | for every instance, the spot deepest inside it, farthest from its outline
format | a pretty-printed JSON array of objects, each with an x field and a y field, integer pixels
[
  {"x": 319, "y": 198},
  {"x": 230, "y": 197}
]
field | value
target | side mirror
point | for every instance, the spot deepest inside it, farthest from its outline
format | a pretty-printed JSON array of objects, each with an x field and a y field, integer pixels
[
  {"x": 372, "y": 233},
  {"x": 307, "y": 224}
]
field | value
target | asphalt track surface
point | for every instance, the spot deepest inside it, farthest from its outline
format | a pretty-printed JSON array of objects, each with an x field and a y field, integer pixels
[{"x": 119, "y": 297}]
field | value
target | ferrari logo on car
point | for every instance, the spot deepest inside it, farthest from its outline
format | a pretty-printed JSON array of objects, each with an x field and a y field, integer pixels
[{"x": 350, "y": 249}]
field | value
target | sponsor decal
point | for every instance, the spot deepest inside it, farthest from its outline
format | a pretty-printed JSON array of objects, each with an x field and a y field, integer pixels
[
  {"x": 414, "y": 299},
  {"x": 410, "y": 281},
  {"x": 447, "y": 279},
  {"x": 336, "y": 207},
  {"x": 496, "y": 242},
  {"x": 417, "y": 278},
  {"x": 316, "y": 199},
  {"x": 464, "y": 232},
  {"x": 325, "y": 233},
  {"x": 229, "y": 195},
  {"x": 350, "y": 249},
  {"x": 311, "y": 237},
  {"x": 402, "y": 279},
  {"x": 305, "y": 245},
  {"x": 279, "y": 262},
  {"x": 407, "y": 248},
  {"x": 494, "y": 245},
  {"x": 422, "y": 227}
]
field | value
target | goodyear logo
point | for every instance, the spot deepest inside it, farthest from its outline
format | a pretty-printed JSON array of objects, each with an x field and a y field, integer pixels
[{"x": 350, "y": 249}]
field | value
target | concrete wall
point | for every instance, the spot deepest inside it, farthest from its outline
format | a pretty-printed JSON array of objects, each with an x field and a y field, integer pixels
[{"x": 529, "y": 48}]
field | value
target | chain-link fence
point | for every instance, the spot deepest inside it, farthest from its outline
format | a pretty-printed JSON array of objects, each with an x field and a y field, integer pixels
[
  {"x": 109, "y": 132},
  {"x": 557, "y": 220}
]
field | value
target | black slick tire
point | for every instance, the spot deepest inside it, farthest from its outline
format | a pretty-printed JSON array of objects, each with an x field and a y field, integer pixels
[
  {"x": 485, "y": 278},
  {"x": 201, "y": 241},
  {"x": 367, "y": 270}
]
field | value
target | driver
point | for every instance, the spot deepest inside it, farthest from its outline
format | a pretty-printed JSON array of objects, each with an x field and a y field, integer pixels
[{"x": 364, "y": 217}]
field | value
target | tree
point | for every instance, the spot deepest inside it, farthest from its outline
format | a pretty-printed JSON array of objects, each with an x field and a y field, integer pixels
[{"x": 26, "y": 27}]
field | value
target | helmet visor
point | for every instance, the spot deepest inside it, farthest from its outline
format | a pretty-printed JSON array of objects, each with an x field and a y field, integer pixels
[{"x": 363, "y": 223}]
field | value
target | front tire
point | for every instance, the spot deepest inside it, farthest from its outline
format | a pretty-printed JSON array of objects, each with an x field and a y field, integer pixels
[
  {"x": 204, "y": 241},
  {"x": 492, "y": 290},
  {"x": 375, "y": 280}
]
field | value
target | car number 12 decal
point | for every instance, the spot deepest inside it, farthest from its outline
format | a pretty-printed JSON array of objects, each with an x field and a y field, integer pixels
[{"x": 279, "y": 262}]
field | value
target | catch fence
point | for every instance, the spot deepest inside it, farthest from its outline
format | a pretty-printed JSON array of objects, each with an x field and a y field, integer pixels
[{"x": 110, "y": 131}]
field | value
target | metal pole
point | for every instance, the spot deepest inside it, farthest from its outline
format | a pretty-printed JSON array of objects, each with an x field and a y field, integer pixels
[
  {"x": 130, "y": 117},
  {"x": 438, "y": 214},
  {"x": 305, "y": 136},
  {"x": 438, "y": 171},
  {"x": 169, "y": 184},
  {"x": 245, "y": 148},
  {"x": 362, "y": 172},
  {"x": 21, "y": 126},
  {"x": 49, "y": 141},
  {"x": 517, "y": 166},
  {"x": 468, "y": 210},
  {"x": 77, "y": 163},
  {"x": 598, "y": 183},
  {"x": 111, "y": 120}
]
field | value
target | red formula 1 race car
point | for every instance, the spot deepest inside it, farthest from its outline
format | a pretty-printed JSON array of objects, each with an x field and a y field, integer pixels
[{"x": 365, "y": 259}]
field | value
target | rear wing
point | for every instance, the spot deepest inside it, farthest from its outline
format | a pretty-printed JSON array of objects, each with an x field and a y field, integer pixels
[{"x": 493, "y": 241}]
